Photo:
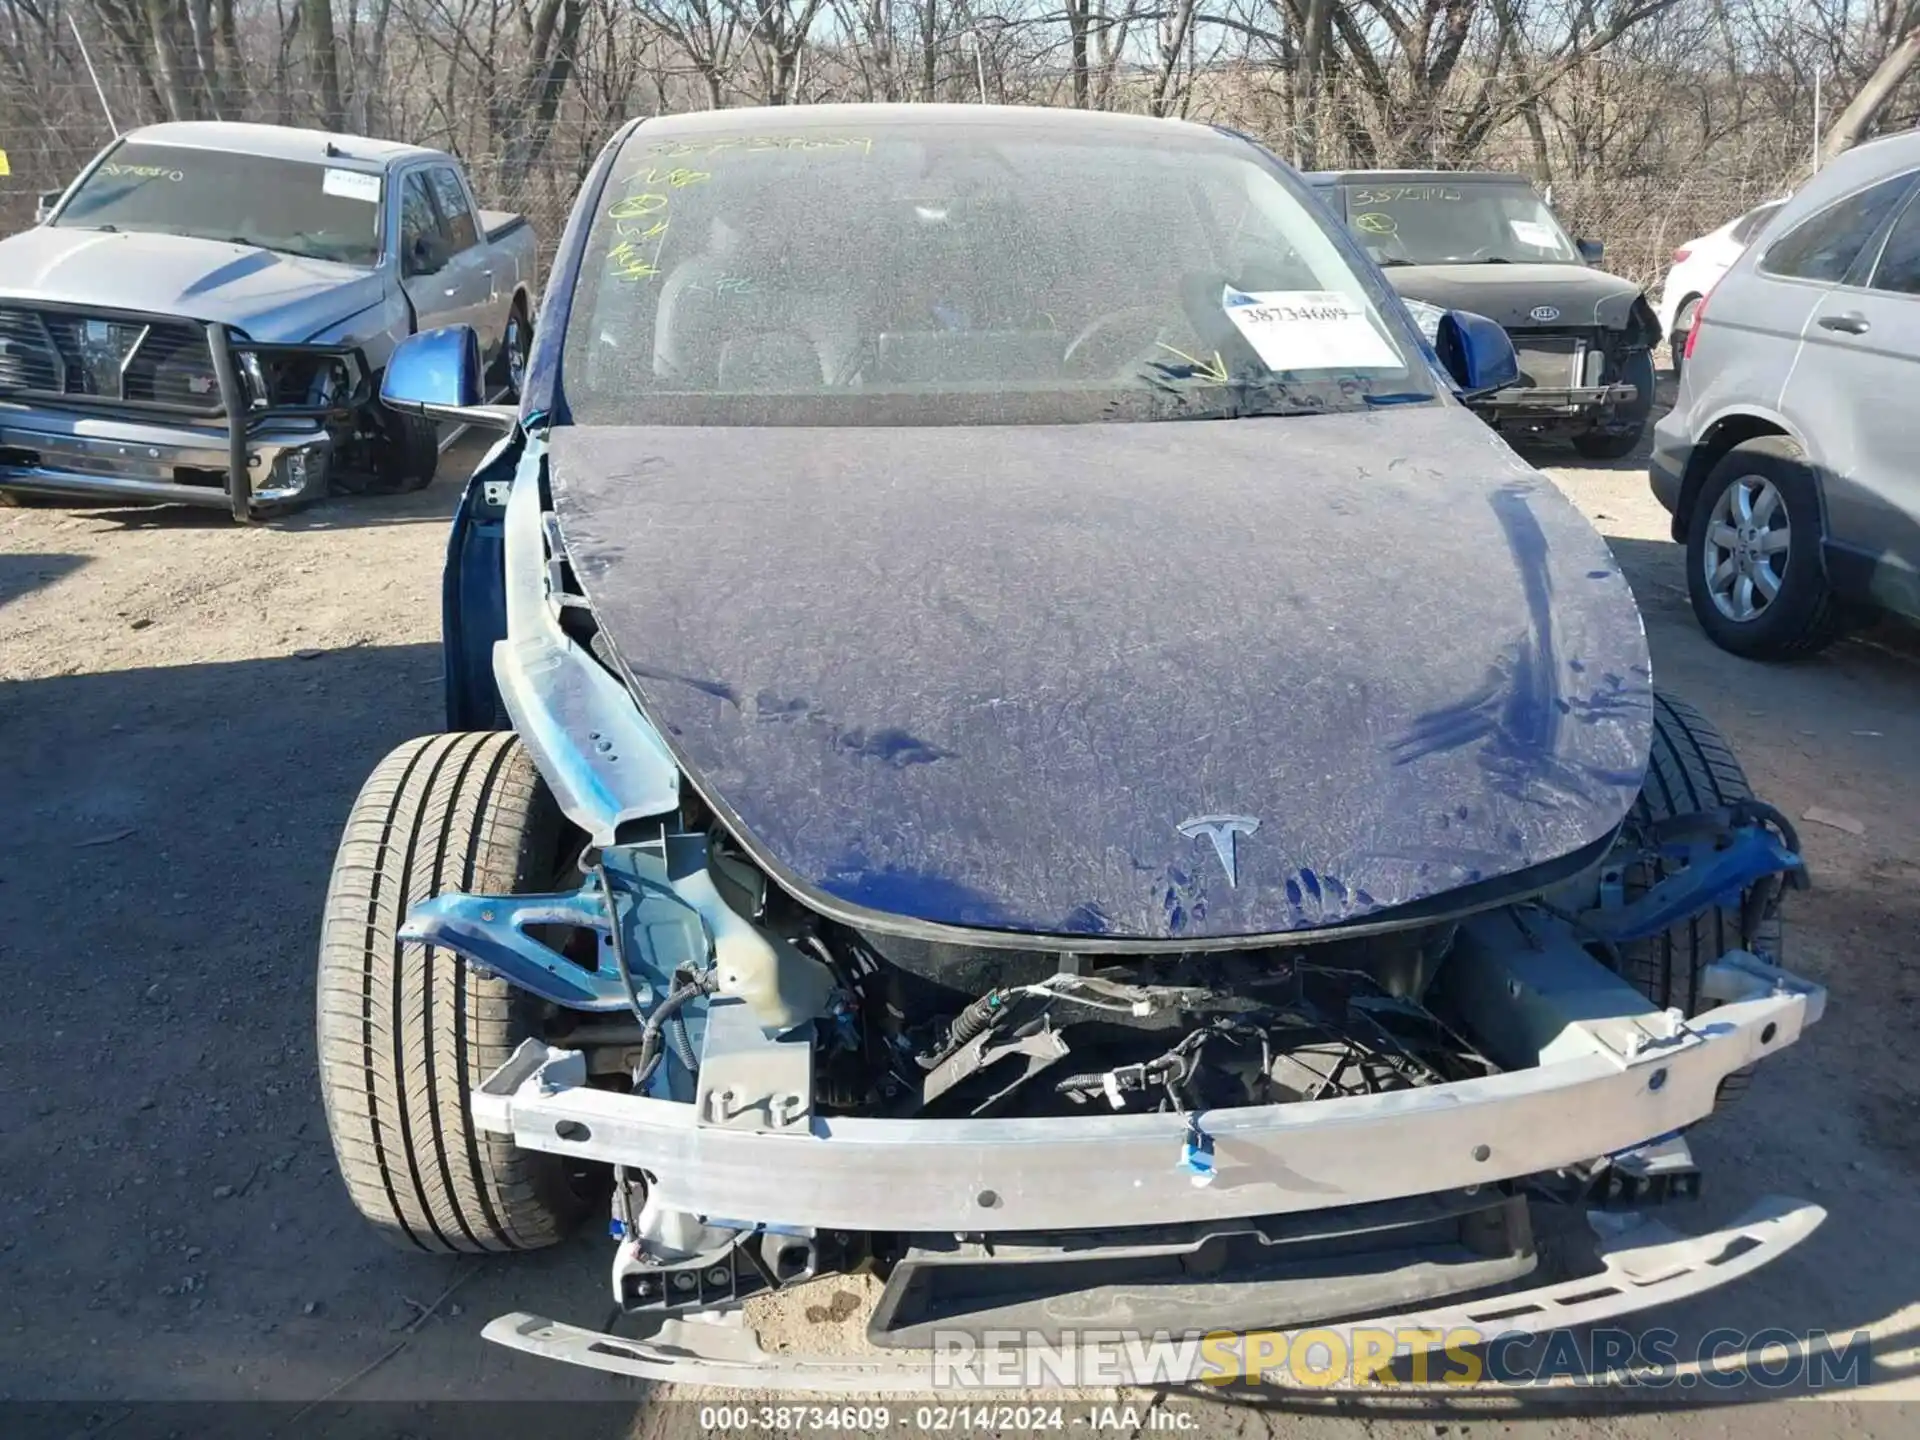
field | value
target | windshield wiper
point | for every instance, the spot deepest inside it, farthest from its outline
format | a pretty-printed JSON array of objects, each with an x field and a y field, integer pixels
[{"x": 1239, "y": 398}]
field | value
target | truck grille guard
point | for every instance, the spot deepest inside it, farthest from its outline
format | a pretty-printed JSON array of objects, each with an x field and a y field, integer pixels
[{"x": 107, "y": 344}]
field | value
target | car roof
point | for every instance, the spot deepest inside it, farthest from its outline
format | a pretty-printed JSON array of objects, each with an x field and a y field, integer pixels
[
  {"x": 808, "y": 118},
  {"x": 279, "y": 142},
  {"x": 1418, "y": 177},
  {"x": 1852, "y": 170}
]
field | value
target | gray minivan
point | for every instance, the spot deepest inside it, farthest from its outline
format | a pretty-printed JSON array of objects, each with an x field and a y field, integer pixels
[{"x": 1791, "y": 459}]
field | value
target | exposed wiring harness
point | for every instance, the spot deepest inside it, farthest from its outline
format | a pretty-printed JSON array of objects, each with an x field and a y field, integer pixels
[
  {"x": 664, "y": 1023},
  {"x": 653, "y": 1034}
]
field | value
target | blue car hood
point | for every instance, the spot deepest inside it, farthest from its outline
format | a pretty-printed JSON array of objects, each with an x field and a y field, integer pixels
[{"x": 1057, "y": 680}]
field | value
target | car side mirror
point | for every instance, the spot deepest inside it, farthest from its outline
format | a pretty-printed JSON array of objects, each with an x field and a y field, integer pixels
[
  {"x": 437, "y": 373},
  {"x": 424, "y": 256},
  {"x": 45, "y": 205},
  {"x": 1476, "y": 352},
  {"x": 1590, "y": 250}
]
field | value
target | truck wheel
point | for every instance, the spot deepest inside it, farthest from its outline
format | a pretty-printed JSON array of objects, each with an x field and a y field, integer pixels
[
  {"x": 1616, "y": 444},
  {"x": 1691, "y": 769},
  {"x": 406, "y": 1031},
  {"x": 405, "y": 454},
  {"x": 516, "y": 344}
]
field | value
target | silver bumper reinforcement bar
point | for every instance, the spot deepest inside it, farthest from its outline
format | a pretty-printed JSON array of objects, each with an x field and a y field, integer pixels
[{"x": 1603, "y": 1083}]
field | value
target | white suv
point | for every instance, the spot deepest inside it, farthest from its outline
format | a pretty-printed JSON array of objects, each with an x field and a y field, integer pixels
[{"x": 1791, "y": 459}]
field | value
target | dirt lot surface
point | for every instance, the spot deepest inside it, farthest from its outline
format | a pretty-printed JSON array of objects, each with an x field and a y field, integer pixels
[{"x": 186, "y": 710}]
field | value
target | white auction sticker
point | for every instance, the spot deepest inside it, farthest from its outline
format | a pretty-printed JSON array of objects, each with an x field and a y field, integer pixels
[
  {"x": 1308, "y": 330},
  {"x": 352, "y": 185},
  {"x": 1532, "y": 232}
]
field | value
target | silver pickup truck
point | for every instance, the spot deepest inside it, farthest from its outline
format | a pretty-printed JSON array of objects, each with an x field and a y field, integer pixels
[{"x": 203, "y": 316}]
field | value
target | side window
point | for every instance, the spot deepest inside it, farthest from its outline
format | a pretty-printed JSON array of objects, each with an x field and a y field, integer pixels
[
  {"x": 455, "y": 214},
  {"x": 417, "y": 221},
  {"x": 1899, "y": 267},
  {"x": 1824, "y": 246},
  {"x": 1751, "y": 223}
]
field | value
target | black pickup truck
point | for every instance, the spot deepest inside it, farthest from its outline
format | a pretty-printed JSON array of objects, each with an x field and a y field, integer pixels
[{"x": 1488, "y": 243}]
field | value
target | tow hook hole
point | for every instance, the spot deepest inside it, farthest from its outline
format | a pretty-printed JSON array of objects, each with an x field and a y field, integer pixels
[
  {"x": 1767, "y": 1032},
  {"x": 792, "y": 1262},
  {"x": 1657, "y": 1080},
  {"x": 573, "y": 1130},
  {"x": 988, "y": 1200},
  {"x": 1482, "y": 1152}
]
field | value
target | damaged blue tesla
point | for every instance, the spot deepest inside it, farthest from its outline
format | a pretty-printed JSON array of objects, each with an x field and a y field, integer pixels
[{"x": 1009, "y": 732}]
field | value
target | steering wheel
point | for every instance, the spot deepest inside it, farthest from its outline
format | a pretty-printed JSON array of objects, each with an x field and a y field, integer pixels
[{"x": 1150, "y": 323}]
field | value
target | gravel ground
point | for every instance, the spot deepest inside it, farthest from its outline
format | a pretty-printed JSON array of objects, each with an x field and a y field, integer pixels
[{"x": 187, "y": 708}]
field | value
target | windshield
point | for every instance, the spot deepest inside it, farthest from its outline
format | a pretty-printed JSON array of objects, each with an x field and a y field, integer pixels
[
  {"x": 1434, "y": 223},
  {"x": 959, "y": 272},
  {"x": 296, "y": 208}
]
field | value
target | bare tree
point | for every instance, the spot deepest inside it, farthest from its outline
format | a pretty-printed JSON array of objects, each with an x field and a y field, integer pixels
[{"x": 1898, "y": 30}]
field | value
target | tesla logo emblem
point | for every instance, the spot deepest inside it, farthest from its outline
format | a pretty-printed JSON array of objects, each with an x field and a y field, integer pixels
[
  {"x": 1224, "y": 831},
  {"x": 1545, "y": 314}
]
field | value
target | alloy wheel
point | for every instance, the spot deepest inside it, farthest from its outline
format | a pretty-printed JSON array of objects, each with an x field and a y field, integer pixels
[{"x": 1748, "y": 540}]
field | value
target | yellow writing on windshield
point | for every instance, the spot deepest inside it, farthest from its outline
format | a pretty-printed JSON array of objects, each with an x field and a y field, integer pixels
[
  {"x": 1214, "y": 370},
  {"x": 762, "y": 144},
  {"x": 677, "y": 178},
  {"x": 640, "y": 221},
  {"x": 636, "y": 206}
]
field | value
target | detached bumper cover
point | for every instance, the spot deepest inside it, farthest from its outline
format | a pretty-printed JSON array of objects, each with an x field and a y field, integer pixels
[{"x": 1645, "y": 1263}]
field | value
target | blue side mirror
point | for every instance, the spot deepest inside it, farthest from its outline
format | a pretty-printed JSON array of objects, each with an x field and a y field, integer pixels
[
  {"x": 1590, "y": 250},
  {"x": 1476, "y": 352},
  {"x": 438, "y": 373}
]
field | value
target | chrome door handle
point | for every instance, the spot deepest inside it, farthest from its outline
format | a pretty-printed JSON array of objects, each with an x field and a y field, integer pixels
[{"x": 1851, "y": 323}]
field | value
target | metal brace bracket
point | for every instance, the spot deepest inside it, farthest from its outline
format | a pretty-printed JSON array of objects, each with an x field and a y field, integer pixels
[
  {"x": 1715, "y": 874},
  {"x": 750, "y": 1080},
  {"x": 660, "y": 931}
]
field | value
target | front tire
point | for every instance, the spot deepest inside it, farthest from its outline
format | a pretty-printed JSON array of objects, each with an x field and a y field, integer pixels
[
  {"x": 1691, "y": 770},
  {"x": 1755, "y": 574},
  {"x": 1631, "y": 424},
  {"x": 406, "y": 1031}
]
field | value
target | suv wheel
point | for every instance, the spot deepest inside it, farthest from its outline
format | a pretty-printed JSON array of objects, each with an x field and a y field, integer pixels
[{"x": 1754, "y": 570}]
